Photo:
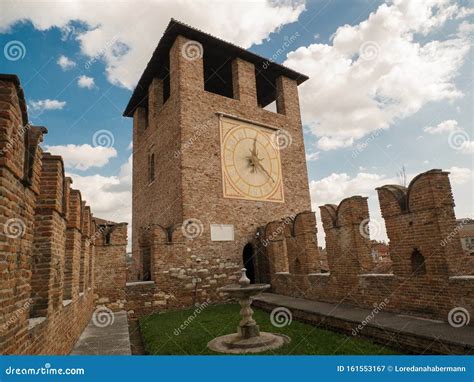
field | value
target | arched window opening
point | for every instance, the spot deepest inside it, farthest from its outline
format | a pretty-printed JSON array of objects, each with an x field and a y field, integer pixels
[
  {"x": 418, "y": 266},
  {"x": 146, "y": 264},
  {"x": 248, "y": 260},
  {"x": 296, "y": 267},
  {"x": 151, "y": 168}
]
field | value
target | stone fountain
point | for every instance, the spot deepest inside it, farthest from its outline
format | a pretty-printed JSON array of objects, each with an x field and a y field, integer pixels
[{"x": 249, "y": 338}]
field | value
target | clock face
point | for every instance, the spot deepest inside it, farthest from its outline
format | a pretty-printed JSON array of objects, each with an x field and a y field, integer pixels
[{"x": 251, "y": 167}]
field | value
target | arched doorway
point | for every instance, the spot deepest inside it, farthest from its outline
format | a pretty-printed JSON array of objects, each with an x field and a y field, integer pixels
[
  {"x": 146, "y": 264},
  {"x": 249, "y": 262}
]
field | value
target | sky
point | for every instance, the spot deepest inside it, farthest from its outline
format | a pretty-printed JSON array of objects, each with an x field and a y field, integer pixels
[{"x": 390, "y": 86}]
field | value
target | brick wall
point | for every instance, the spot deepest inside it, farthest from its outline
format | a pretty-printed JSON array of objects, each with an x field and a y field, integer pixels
[
  {"x": 183, "y": 133},
  {"x": 428, "y": 278},
  {"x": 46, "y": 250},
  {"x": 110, "y": 271}
]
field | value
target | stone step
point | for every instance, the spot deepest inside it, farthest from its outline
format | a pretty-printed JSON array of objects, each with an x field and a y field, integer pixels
[{"x": 402, "y": 332}]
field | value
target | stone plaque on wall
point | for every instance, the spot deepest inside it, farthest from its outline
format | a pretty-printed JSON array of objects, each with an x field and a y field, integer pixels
[{"x": 222, "y": 232}]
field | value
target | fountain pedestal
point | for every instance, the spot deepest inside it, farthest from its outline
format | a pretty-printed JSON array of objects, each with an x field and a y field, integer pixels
[{"x": 248, "y": 338}]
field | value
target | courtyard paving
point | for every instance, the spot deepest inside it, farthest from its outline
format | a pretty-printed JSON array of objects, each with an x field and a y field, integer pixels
[
  {"x": 111, "y": 339},
  {"x": 431, "y": 330}
]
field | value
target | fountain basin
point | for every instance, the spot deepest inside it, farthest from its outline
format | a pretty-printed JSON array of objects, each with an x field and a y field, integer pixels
[
  {"x": 248, "y": 338},
  {"x": 235, "y": 344},
  {"x": 238, "y": 292}
]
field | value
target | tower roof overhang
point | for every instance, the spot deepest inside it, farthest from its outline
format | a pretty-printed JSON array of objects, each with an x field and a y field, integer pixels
[{"x": 157, "y": 66}]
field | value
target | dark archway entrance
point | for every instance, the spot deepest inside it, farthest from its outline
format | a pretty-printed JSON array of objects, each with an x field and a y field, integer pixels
[
  {"x": 146, "y": 264},
  {"x": 249, "y": 262}
]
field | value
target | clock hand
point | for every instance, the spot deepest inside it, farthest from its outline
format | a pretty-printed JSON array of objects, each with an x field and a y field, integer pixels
[
  {"x": 258, "y": 164},
  {"x": 254, "y": 148}
]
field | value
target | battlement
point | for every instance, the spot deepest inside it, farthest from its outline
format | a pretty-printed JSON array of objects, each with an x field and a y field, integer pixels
[
  {"x": 48, "y": 239},
  {"x": 429, "y": 267}
]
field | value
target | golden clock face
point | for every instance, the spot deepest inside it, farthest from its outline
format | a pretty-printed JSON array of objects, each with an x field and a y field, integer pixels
[{"x": 251, "y": 167}]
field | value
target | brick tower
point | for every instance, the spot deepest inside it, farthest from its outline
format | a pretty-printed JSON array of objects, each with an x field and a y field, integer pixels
[{"x": 210, "y": 163}]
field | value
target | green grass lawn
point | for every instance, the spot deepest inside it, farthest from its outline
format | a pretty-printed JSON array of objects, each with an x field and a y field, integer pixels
[{"x": 161, "y": 336}]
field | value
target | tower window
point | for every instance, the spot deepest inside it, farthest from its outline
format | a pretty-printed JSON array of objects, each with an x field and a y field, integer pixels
[
  {"x": 151, "y": 168},
  {"x": 266, "y": 89},
  {"x": 107, "y": 238},
  {"x": 218, "y": 73},
  {"x": 418, "y": 266},
  {"x": 145, "y": 122}
]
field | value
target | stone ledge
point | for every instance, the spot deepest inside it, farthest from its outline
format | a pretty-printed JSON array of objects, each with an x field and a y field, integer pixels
[
  {"x": 134, "y": 283},
  {"x": 33, "y": 322},
  {"x": 327, "y": 274},
  {"x": 466, "y": 277},
  {"x": 376, "y": 275},
  {"x": 407, "y": 333},
  {"x": 66, "y": 302}
]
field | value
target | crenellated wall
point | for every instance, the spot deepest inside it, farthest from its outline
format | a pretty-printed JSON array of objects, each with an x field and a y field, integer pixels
[
  {"x": 179, "y": 276},
  {"x": 47, "y": 240},
  {"x": 57, "y": 261},
  {"x": 430, "y": 273},
  {"x": 110, "y": 263}
]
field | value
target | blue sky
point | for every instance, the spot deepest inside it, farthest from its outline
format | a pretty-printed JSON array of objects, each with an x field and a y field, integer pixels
[{"x": 408, "y": 103}]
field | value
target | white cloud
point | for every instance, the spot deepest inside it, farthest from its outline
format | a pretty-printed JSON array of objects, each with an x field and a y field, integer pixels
[
  {"x": 124, "y": 35},
  {"x": 65, "y": 63},
  {"x": 458, "y": 139},
  {"x": 47, "y": 104},
  {"x": 467, "y": 147},
  {"x": 336, "y": 187},
  {"x": 465, "y": 12},
  {"x": 442, "y": 127},
  {"x": 331, "y": 143},
  {"x": 105, "y": 202},
  {"x": 459, "y": 175},
  {"x": 379, "y": 71},
  {"x": 82, "y": 157},
  {"x": 85, "y": 82},
  {"x": 124, "y": 177},
  {"x": 110, "y": 197},
  {"x": 310, "y": 157}
]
